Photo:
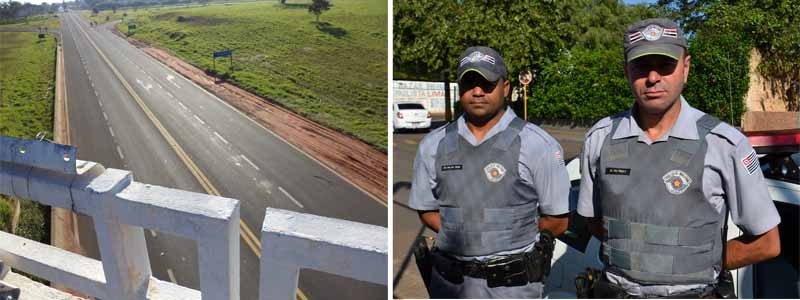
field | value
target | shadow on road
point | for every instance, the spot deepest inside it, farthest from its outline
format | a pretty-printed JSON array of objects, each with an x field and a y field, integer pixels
[{"x": 400, "y": 186}]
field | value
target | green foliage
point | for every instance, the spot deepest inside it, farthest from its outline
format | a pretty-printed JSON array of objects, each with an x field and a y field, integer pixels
[
  {"x": 26, "y": 84},
  {"x": 32, "y": 221},
  {"x": 6, "y": 212},
  {"x": 425, "y": 39},
  {"x": 576, "y": 47},
  {"x": 333, "y": 72},
  {"x": 50, "y": 21},
  {"x": 26, "y": 101},
  {"x": 581, "y": 84},
  {"x": 317, "y": 7},
  {"x": 771, "y": 26},
  {"x": 718, "y": 77}
]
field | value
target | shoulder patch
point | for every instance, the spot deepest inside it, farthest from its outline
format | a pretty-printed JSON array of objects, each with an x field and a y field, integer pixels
[
  {"x": 750, "y": 162},
  {"x": 729, "y": 133}
]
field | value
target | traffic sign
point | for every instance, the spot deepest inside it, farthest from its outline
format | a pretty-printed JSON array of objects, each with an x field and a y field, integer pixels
[
  {"x": 525, "y": 77},
  {"x": 223, "y": 53}
]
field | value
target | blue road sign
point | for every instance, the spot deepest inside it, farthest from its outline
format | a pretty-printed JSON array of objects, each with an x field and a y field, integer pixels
[{"x": 223, "y": 53}]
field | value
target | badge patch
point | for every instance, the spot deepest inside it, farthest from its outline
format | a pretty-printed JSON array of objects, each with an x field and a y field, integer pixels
[
  {"x": 451, "y": 167},
  {"x": 750, "y": 162},
  {"x": 652, "y": 32},
  {"x": 494, "y": 172},
  {"x": 475, "y": 57},
  {"x": 677, "y": 181},
  {"x": 618, "y": 171}
]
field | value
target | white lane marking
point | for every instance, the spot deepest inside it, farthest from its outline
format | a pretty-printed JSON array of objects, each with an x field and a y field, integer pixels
[
  {"x": 170, "y": 95},
  {"x": 221, "y": 138},
  {"x": 170, "y": 78},
  {"x": 172, "y": 276},
  {"x": 99, "y": 102},
  {"x": 290, "y": 197},
  {"x": 159, "y": 86},
  {"x": 111, "y": 130},
  {"x": 250, "y": 162},
  {"x": 146, "y": 87},
  {"x": 97, "y": 95},
  {"x": 105, "y": 116},
  {"x": 91, "y": 82},
  {"x": 199, "y": 120},
  {"x": 120, "y": 153},
  {"x": 184, "y": 106},
  {"x": 153, "y": 233},
  {"x": 246, "y": 117}
]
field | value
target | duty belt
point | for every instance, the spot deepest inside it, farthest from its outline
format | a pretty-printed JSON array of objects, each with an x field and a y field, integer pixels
[
  {"x": 594, "y": 284},
  {"x": 512, "y": 270}
]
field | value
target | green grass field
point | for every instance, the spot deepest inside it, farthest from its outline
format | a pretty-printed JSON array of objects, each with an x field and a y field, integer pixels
[
  {"x": 50, "y": 21},
  {"x": 334, "y": 72},
  {"x": 26, "y": 108}
]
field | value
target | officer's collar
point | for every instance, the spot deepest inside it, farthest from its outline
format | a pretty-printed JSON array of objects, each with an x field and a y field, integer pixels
[
  {"x": 684, "y": 128},
  {"x": 501, "y": 125}
]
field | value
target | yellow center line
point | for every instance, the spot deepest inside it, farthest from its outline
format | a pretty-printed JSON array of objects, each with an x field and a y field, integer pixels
[{"x": 246, "y": 233}]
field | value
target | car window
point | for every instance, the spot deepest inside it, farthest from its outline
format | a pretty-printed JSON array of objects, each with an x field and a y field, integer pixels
[
  {"x": 781, "y": 166},
  {"x": 410, "y": 106}
]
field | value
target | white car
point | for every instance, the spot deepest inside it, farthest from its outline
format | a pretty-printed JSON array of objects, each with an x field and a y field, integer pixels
[
  {"x": 409, "y": 115},
  {"x": 577, "y": 250}
]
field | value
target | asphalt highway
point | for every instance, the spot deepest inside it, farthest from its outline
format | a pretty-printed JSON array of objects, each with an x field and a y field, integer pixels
[{"x": 128, "y": 111}]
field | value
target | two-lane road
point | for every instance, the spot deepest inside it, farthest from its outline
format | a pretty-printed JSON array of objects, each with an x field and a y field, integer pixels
[{"x": 126, "y": 110}]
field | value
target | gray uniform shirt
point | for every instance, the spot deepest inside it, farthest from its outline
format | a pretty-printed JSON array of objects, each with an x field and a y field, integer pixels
[
  {"x": 726, "y": 175},
  {"x": 541, "y": 165}
]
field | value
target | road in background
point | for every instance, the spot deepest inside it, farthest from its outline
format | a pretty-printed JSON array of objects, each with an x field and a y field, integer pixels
[
  {"x": 241, "y": 159},
  {"x": 407, "y": 226}
]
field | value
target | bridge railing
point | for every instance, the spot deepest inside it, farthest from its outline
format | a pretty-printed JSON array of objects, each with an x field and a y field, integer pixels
[
  {"x": 122, "y": 208},
  {"x": 295, "y": 240}
]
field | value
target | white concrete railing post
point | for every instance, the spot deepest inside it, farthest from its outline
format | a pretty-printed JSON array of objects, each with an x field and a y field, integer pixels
[
  {"x": 345, "y": 248},
  {"x": 122, "y": 247},
  {"x": 120, "y": 208},
  {"x": 278, "y": 279},
  {"x": 221, "y": 281}
]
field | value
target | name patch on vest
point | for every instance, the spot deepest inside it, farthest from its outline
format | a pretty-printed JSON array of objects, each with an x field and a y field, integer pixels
[
  {"x": 494, "y": 172},
  {"x": 677, "y": 181},
  {"x": 618, "y": 171},
  {"x": 451, "y": 167}
]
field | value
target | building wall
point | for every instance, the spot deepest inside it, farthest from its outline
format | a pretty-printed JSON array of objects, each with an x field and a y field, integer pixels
[
  {"x": 765, "y": 94},
  {"x": 429, "y": 94}
]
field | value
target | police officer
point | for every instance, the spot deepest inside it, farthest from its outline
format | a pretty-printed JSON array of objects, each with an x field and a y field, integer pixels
[
  {"x": 493, "y": 187},
  {"x": 658, "y": 180}
]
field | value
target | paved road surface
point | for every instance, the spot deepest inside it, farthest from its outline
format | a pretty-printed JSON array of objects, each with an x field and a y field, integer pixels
[
  {"x": 240, "y": 158},
  {"x": 406, "y": 223}
]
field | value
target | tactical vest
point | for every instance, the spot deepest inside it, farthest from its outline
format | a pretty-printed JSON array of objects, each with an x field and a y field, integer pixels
[
  {"x": 660, "y": 227},
  {"x": 485, "y": 206}
]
